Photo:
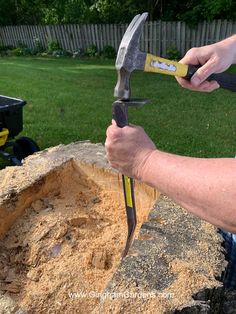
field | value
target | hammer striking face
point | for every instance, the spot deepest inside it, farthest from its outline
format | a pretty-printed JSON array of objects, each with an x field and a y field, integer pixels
[{"x": 130, "y": 58}]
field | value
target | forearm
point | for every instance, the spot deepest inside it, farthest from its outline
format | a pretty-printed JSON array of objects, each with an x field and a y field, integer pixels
[
  {"x": 205, "y": 187},
  {"x": 230, "y": 44}
]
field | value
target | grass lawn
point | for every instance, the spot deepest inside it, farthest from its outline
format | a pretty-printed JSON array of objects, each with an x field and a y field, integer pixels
[{"x": 70, "y": 100}]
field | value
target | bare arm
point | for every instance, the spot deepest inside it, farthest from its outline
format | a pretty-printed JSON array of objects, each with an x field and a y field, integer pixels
[{"x": 205, "y": 187}]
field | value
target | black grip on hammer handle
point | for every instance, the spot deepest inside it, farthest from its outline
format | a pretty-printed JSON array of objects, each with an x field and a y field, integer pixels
[
  {"x": 225, "y": 80},
  {"x": 120, "y": 114}
]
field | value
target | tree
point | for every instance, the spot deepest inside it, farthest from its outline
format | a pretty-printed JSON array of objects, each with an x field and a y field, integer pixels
[
  {"x": 66, "y": 11},
  {"x": 8, "y": 13},
  {"x": 208, "y": 10},
  {"x": 112, "y": 11}
]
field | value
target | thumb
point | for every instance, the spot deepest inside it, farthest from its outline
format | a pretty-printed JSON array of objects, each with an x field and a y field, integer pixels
[
  {"x": 113, "y": 122},
  {"x": 204, "y": 72}
]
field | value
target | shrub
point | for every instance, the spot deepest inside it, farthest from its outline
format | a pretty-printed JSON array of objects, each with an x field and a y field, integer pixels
[
  {"x": 53, "y": 46},
  {"x": 173, "y": 54},
  {"x": 78, "y": 53},
  {"x": 4, "y": 50},
  {"x": 61, "y": 53},
  {"x": 44, "y": 54},
  {"x": 21, "y": 51},
  {"x": 38, "y": 46},
  {"x": 92, "y": 51},
  {"x": 108, "y": 52},
  {"x": 17, "y": 52}
]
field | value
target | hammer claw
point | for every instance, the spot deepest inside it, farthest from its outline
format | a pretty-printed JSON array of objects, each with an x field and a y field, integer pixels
[
  {"x": 134, "y": 29},
  {"x": 132, "y": 23}
]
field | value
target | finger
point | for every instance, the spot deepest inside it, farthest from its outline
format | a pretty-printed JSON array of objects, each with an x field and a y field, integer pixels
[
  {"x": 206, "y": 86},
  {"x": 113, "y": 131},
  {"x": 204, "y": 72},
  {"x": 209, "y": 86},
  {"x": 191, "y": 57},
  {"x": 113, "y": 122},
  {"x": 184, "y": 83}
]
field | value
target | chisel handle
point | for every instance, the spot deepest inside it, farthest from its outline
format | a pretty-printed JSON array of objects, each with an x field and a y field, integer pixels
[{"x": 120, "y": 115}]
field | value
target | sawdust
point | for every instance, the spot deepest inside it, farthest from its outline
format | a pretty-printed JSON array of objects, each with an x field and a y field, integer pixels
[
  {"x": 62, "y": 252},
  {"x": 187, "y": 279},
  {"x": 193, "y": 270}
]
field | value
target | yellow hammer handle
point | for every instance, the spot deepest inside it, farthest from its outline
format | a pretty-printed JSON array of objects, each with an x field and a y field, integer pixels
[{"x": 165, "y": 66}]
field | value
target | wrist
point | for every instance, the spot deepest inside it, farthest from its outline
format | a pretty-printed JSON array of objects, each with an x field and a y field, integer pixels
[
  {"x": 147, "y": 171},
  {"x": 230, "y": 44}
]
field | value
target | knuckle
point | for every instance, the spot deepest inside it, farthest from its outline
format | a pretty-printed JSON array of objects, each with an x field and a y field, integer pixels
[
  {"x": 192, "y": 51},
  {"x": 113, "y": 132}
]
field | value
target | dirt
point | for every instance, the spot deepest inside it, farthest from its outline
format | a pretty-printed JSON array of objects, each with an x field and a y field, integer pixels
[{"x": 68, "y": 242}]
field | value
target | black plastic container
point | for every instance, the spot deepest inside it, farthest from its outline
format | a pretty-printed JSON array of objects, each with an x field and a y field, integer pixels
[{"x": 11, "y": 115}]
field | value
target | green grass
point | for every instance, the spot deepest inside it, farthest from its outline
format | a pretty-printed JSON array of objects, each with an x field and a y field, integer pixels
[{"x": 70, "y": 100}]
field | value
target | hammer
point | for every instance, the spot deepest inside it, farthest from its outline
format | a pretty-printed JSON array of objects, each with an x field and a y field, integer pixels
[{"x": 130, "y": 58}]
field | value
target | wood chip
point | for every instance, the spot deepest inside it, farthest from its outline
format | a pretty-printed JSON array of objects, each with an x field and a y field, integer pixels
[
  {"x": 99, "y": 260},
  {"x": 13, "y": 287},
  {"x": 41, "y": 234},
  {"x": 79, "y": 221}
]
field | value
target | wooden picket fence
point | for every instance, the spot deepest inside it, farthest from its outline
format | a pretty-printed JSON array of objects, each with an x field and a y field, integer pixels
[{"x": 157, "y": 37}]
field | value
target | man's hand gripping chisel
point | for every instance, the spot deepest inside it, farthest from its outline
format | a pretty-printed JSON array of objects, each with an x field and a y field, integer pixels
[{"x": 120, "y": 115}]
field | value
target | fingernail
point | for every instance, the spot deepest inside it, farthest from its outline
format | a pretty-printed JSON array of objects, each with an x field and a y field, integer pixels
[{"x": 195, "y": 81}]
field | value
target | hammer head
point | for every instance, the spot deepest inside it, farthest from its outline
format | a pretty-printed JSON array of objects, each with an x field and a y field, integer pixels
[{"x": 129, "y": 57}]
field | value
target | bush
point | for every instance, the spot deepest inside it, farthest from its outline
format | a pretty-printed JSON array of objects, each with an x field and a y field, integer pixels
[
  {"x": 21, "y": 51},
  {"x": 4, "y": 50},
  {"x": 61, "y": 53},
  {"x": 17, "y": 52},
  {"x": 38, "y": 46},
  {"x": 92, "y": 51},
  {"x": 173, "y": 54},
  {"x": 78, "y": 53},
  {"x": 108, "y": 52},
  {"x": 53, "y": 46}
]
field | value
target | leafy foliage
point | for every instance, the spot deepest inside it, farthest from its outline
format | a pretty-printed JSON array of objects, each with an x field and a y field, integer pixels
[
  {"x": 53, "y": 46},
  {"x": 173, "y": 54},
  {"x": 92, "y": 51},
  {"x": 112, "y": 11},
  {"x": 108, "y": 52}
]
